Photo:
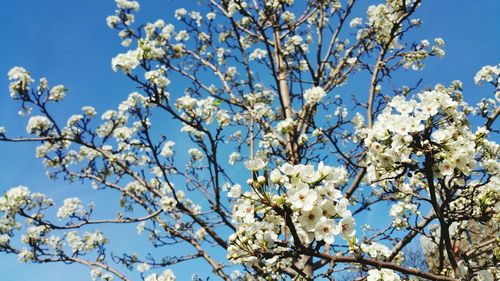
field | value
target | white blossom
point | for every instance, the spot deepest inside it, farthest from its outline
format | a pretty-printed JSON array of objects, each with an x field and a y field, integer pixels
[
  {"x": 71, "y": 206},
  {"x": 38, "y": 125},
  {"x": 196, "y": 154},
  {"x": 355, "y": 22},
  {"x": 257, "y": 54},
  {"x": 233, "y": 157},
  {"x": 167, "y": 203},
  {"x": 167, "y": 275},
  {"x": 314, "y": 95},
  {"x": 143, "y": 267},
  {"x": 167, "y": 150},
  {"x": 180, "y": 13},
  {"x": 235, "y": 191},
  {"x": 255, "y": 164},
  {"x": 487, "y": 73},
  {"x": 303, "y": 198},
  {"x": 382, "y": 275},
  {"x": 126, "y": 4},
  {"x": 326, "y": 230},
  {"x": 127, "y": 61}
]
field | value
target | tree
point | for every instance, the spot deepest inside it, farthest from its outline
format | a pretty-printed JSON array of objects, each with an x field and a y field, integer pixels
[{"x": 259, "y": 78}]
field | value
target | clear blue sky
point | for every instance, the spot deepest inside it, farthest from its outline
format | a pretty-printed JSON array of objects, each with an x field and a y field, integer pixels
[{"x": 70, "y": 44}]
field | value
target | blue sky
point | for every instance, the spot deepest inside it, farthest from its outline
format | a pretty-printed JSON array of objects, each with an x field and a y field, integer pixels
[{"x": 70, "y": 44}]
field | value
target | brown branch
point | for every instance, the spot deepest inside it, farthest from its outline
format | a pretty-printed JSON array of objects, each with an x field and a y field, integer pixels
[
  {"x": 382, "y": 264},
  {"x": 98, "y": 264},
  {"x": 491, "y": 119},
  {"x": 409, "y": 237}
]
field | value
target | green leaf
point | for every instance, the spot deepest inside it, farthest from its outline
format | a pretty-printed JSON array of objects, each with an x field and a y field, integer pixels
[{"x": 217, "y": 102}]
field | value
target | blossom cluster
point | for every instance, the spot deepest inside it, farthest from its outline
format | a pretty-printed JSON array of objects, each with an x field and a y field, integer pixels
[
  {"x": 488, "y": 73},
  {"x": 414, "y": 59},
  {"x": 491, "y": 75},
  {"x": 201, "y": 110},
  {"x": 314, "y": 95},
  {"x": 38, "y": 234},
  {"x": 20, "y": 89},
  {"x": 21, "y": 79},
  {"x": 71, "y": 206},
  {"x": 167, "y": 275},
  {"x": 127, "y": 61},
  {"x": 293, "y": 202},
  {"x": 397, "y": 134},
  {"x": 38, "y": 125},
  {"x": 382, "y": 275},
  {"x": 382, "y": 19},
  {"x": 431, "y": 138}
]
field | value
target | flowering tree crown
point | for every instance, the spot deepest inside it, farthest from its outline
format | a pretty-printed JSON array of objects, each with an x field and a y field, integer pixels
[{"x": 275, "y": 169}]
